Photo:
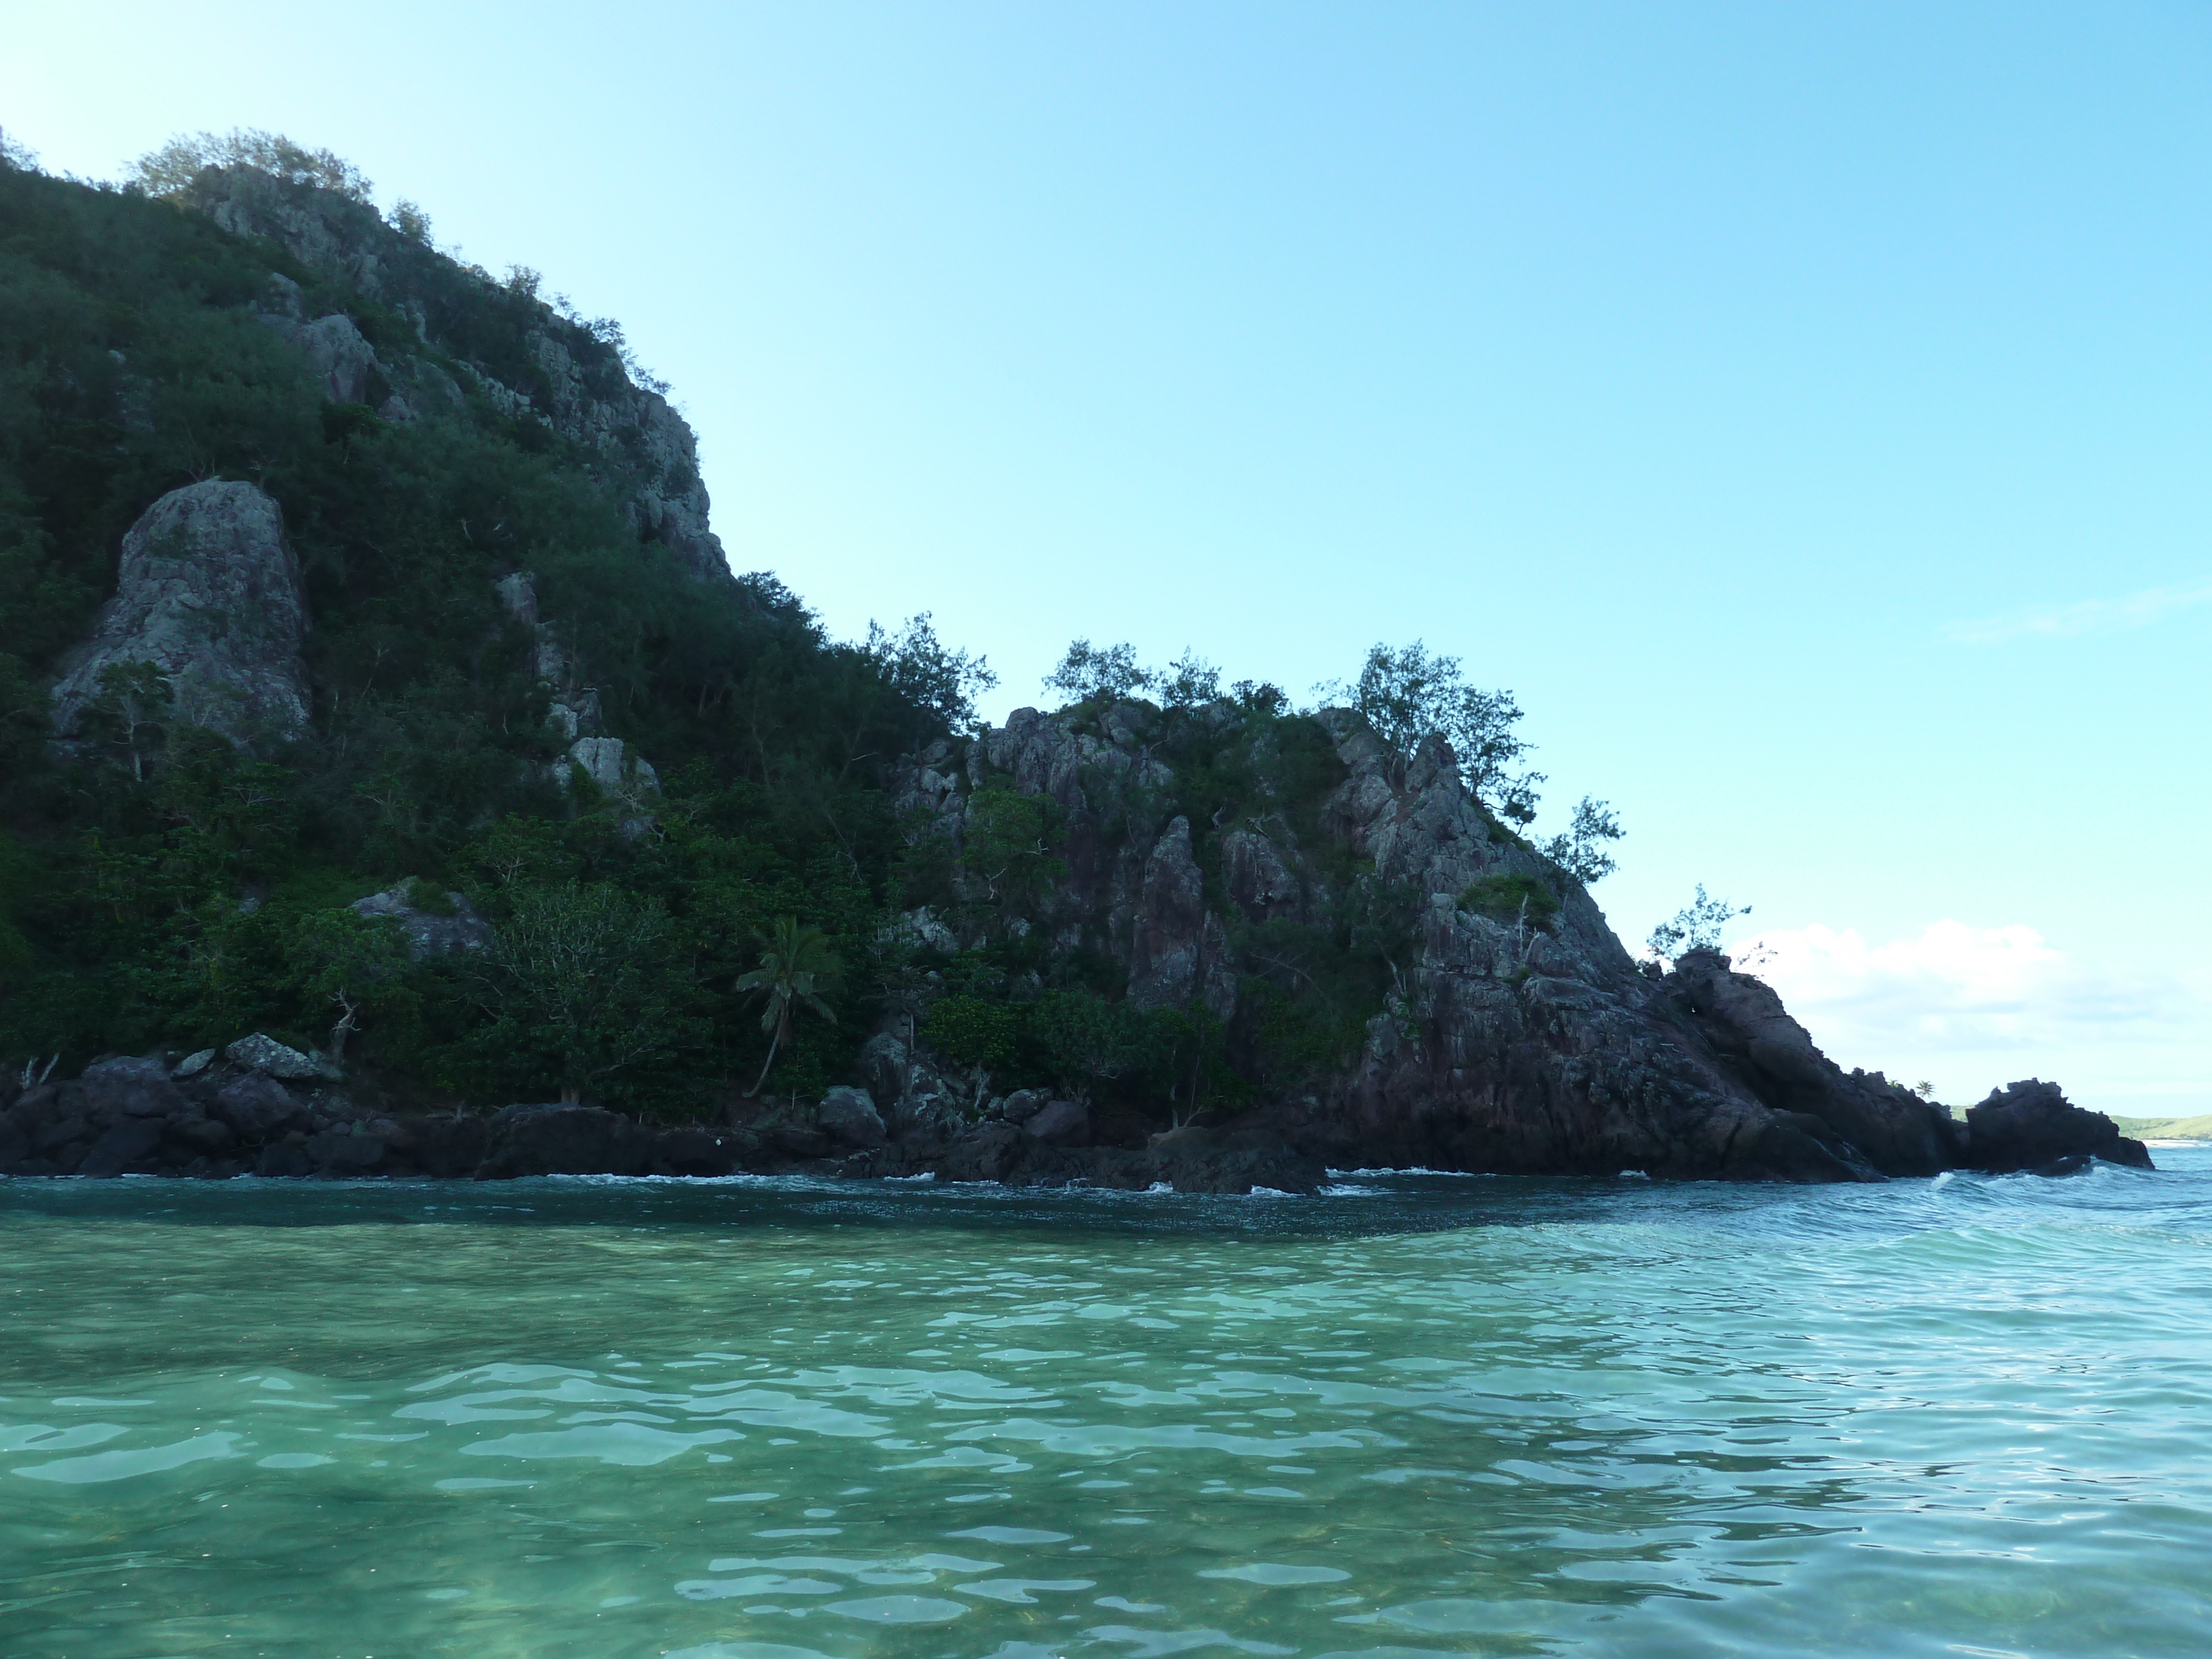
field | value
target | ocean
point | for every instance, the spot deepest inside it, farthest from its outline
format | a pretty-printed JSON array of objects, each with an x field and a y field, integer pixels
[{"x": 761, "y": 1419}]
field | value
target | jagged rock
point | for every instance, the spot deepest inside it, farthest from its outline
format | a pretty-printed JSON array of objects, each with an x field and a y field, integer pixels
[
  {"x": 192, "y": 1064},
  {"x": 541, "y": 1141},
  {"x": 429, "y": 934},
  {"x": 849, "y": 1116},
  {"x": 209, "y": 592},
  {"x": 1060, "y": 1123},
  {"x": 1894, "y": 1130},
  {"x": 2030, "y": 1125},
  {"x": 260, "y": 1052}
]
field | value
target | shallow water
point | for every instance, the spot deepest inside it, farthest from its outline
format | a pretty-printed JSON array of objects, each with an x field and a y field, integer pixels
[{"x": 755, "y": 1419}]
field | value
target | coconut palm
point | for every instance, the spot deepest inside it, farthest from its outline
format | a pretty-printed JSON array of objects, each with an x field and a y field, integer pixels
[{"x": 795, "y": 968}]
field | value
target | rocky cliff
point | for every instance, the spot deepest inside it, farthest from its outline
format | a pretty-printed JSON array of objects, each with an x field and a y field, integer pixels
[{"x": 529, "y": 361}]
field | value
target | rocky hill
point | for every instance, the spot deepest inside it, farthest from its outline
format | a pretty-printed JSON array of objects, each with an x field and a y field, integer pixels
[{"x": 388, "y": 742}]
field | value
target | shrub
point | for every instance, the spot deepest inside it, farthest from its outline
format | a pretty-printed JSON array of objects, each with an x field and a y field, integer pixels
[{"x": 1512, "y": 898}]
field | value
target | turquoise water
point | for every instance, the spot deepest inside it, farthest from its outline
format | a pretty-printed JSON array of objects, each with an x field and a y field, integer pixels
[{"x": 754, "y": 1420}]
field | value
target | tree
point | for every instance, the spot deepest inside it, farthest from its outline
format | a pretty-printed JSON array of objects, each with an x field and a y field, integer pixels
[
  {"x": 1408, "y": 695},
  {"x": 170, "y": 170},
  {"x": 1696, "y": 926},
  {"x": 1581, "y": 851},
  {"x": 580, "y": 983},
  {"x": 921, "y": 668},
  {"x": 794, "y": 970},
  {"x": 1106, "y": 673},
  {"x": 355, "y": 963}
]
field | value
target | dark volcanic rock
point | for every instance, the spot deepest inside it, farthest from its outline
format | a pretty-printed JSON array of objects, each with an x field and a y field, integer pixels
[
  {"x": 131, "y": 1142},
  {"x": 1892, "y": 1130},
  {"x": 1198, "y": 1160},
  {"x": 1060, "y": 1123},
  {"x": 341, "y": 1152},
  {"x": 540, "y": 1140},
  {"x": 849, "y": 1116},
  {"x": 2033, "y": 1126},
  {"x": 257, "y": 1108},
  {"x": 695, "y": 1153},
  {"x": 441, "y": 1147},
  {"x": 130, "y": 1088}
]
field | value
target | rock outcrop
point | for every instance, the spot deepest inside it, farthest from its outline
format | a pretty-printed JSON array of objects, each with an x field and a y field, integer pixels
[
  {"x": 208, "y": 592},
  {"x": 2031, "y": 1126},
  {"x": 1515, "y": 1037},
  {"x": 436, "y": 926},
  {"x": 562, "y": 375}
]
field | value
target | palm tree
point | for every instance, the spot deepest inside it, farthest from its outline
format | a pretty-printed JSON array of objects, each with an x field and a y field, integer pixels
[{"x": 797, "y": 966}]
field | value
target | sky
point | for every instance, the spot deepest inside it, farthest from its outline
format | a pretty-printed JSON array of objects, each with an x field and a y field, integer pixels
[{"x": 1802, "y": 409}]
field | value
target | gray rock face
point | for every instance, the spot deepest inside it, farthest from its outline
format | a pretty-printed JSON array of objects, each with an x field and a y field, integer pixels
[
  {"x": 847, "y": 1116},
  {"x": 344, "y": 363},
  {"x": 265, "y": 1054},
  {"x": 209, "y": 592},
  {"x": 429, "y": 934}
]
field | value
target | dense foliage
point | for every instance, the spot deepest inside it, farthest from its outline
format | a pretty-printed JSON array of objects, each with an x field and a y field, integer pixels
[{"x": 161, "y": 887}]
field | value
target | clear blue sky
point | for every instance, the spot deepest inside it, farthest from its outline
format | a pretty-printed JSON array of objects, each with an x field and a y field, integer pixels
[{"x": 1804, "y": 408}]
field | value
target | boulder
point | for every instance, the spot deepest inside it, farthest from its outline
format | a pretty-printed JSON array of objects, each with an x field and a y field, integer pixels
[
  {"x": 2030, "y": 1125},
  {"x": 444, "y": 1147},
  {"x": 286, "y": 1159},
  {"x": 342, "y": 1152},
  {"x": 1060, "y": 1123},
  {"x": 209, "y": 593},
  {"x": 849, "y": 1116},
  {"x": 1198, "y": 1160},
  {"x": 14, "y": 1146},
  {"x": 258, "y": 1108},
  {"x": 192, "y": 1064},
  {"x": 265, "y": 1054},
  {"x": 132, "y": 1141},
  {"x": 131, "y": 1088},
  {"x": 543, "y": 1140},
  {"x": 456, "y": 926},
  {"x": 697, "y": 1152},
  {"x": 992, "y": 1153},
  {"x": 1022, "y": 1104}
]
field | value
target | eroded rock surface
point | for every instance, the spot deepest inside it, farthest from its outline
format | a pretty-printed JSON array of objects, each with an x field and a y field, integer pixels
[{"x": 208, "y": 592}]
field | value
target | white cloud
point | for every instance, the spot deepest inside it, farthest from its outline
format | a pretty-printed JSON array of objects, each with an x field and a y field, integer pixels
[
  {"x": 1972, "y": 1008},
  {"x": 2084, "y": 617}
]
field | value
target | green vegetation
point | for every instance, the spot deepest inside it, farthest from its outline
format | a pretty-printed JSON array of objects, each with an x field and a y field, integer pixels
[{"x": 1512, "y": 898}]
